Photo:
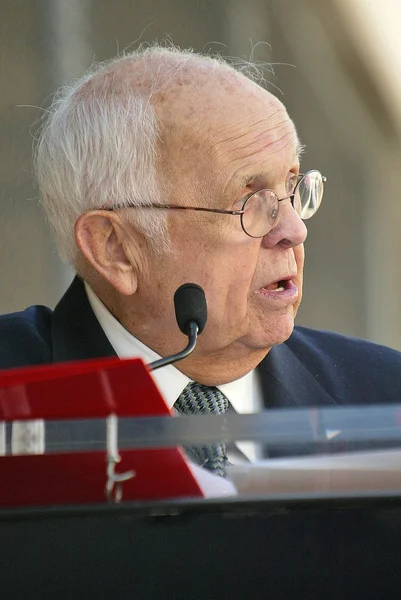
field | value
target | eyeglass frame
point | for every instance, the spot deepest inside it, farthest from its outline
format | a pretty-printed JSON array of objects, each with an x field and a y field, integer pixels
[{"x": 239, "y": 213}]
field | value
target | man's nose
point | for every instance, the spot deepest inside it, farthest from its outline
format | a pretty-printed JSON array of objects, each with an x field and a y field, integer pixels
[{"x": 289, "y": 231}]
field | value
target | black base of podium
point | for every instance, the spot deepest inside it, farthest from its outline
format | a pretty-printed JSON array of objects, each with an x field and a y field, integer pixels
[{"x": 335, "y": 548}]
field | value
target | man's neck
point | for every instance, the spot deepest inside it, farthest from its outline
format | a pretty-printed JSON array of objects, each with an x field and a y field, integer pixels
[{"x": 220, "y": 368}]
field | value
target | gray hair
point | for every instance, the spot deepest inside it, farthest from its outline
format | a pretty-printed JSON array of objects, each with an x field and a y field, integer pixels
[{"x": 98, "y": 146}]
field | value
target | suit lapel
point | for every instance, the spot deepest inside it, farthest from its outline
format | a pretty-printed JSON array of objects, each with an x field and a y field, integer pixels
[
  {"x": 76, "y": 333},
  {"x": 286, "y": 382}
]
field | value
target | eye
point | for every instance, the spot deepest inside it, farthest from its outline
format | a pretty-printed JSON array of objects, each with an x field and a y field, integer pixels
[
  {"x": 274, "y": 213},
  {"x": 291, "y": 183},
  {"x": 240, "y": 203}
]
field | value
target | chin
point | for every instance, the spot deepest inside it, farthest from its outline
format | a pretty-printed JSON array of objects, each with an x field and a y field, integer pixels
[{"x": 276, "y": 332}]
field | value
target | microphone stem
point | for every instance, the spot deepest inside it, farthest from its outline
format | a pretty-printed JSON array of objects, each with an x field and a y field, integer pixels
[{"x": 192, "y": 335}]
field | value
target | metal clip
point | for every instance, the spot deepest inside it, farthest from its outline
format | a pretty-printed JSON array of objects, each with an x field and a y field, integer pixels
[
  {"x": 28, "y": 437},
  {"x": 2, "y": 438},
  {"x": 114, "y": 489}
]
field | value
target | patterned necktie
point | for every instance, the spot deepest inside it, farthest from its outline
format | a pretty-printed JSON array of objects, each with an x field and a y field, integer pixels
[{"x": 200, "y": 399}]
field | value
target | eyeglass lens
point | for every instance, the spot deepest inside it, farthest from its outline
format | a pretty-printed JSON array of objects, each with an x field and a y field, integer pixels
[
  {"x": 261, "y": 209},
  {"x": 308, "y": 194},
  {"x": 260, "y": 213}
]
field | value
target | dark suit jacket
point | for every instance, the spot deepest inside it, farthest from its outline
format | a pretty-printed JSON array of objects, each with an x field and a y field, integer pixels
[{"x": 313, "y": 368}]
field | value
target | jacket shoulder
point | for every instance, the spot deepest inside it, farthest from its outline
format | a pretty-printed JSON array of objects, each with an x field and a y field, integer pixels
[
  {"x": 25, "y": 337},
  {"x": 349, "y": 367}
]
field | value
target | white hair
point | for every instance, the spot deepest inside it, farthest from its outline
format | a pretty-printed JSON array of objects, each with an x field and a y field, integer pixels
[{"x": 98, "y": 146}]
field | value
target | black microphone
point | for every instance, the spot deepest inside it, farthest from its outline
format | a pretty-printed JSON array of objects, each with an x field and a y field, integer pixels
[{"x": 191, "y": 314}]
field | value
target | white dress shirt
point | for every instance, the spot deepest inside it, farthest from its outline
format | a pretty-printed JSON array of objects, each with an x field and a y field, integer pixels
[{"x": 244, "y": 394}]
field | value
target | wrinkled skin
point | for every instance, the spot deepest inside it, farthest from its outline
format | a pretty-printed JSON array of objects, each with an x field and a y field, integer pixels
[{"x": 222, "y": 137}]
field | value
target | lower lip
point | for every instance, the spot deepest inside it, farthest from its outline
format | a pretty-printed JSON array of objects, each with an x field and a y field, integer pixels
[{"x": 289, "y": 293}]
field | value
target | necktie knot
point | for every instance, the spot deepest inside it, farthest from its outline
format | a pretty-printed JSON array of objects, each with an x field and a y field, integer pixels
[
  {"x": 197, "y": 398},
  {"x": 201, "y": 399}
]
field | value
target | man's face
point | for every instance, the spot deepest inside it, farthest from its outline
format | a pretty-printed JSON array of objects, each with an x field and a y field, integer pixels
[{"x": 234, "y": 143}]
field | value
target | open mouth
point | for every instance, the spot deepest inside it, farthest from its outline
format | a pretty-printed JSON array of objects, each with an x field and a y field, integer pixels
[{"x": 278, "y": 286}]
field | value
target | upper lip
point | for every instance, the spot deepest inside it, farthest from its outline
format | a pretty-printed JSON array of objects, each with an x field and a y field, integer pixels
[
  {"x": 281, "y": 278},
  {"x": 278, "y": 280}
]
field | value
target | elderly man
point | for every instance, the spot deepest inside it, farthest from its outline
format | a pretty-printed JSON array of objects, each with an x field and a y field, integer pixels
[{"x": 164, "y": 167}]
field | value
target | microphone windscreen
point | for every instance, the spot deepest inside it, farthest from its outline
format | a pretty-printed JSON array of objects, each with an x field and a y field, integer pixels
[{"x": 190, "y": 305}]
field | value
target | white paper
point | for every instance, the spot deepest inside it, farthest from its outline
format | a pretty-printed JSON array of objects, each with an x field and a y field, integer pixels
[
  {"x": 351, "y": 472},
  {"x": 212, "y": 486}
]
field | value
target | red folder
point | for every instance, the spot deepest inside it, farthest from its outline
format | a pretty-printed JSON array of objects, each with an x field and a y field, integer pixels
[{"x": 82, "y": 390}]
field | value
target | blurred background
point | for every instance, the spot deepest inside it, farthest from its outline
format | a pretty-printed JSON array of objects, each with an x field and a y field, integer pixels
[{"x": 337, "y": 68}]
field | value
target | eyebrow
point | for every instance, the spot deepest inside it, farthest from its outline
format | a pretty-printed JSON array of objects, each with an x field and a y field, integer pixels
[{"x": 248, "y": 179}]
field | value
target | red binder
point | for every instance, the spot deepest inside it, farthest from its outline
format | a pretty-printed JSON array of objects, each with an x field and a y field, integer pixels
[{"x": 82, "y": 390}]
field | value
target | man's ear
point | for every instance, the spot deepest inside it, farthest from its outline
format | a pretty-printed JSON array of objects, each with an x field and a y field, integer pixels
[{"x": 99, "y": 236}]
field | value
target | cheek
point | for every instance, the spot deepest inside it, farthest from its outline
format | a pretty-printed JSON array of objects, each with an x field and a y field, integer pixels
[
  {"x": 228, "y": 288},
  {"x": 223, "y": 267}
]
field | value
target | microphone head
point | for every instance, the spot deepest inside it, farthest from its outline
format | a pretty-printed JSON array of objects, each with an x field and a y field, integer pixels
[{"x": 190, "y": 305}]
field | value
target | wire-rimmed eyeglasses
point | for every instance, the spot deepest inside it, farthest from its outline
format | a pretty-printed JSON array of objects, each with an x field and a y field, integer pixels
[{"x": 260, "y": 210}]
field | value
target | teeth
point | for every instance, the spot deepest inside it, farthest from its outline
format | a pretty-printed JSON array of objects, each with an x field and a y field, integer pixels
[{"x": 279, "y": 289}]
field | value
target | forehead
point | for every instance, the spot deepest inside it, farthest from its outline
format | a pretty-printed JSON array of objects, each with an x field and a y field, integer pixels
[{"x": 225, "y": 127}]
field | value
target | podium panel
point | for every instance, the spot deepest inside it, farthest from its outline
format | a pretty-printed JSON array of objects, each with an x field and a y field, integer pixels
[{"x": 339, "y": 548}]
